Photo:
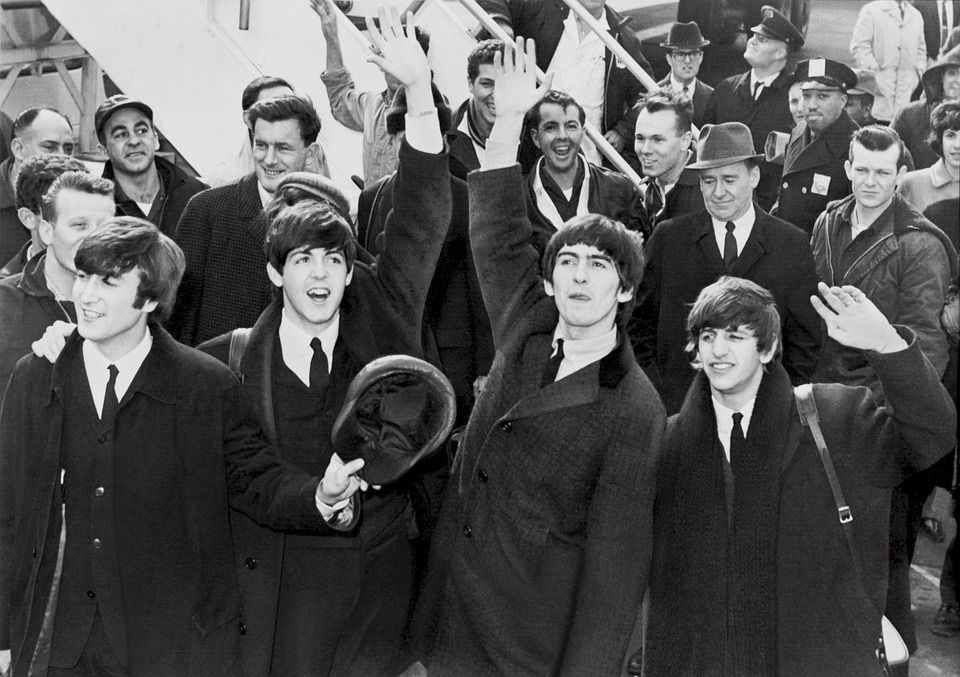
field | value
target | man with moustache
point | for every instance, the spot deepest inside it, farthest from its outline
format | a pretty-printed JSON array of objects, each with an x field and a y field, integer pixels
[
  {"x": 813, "y": 173},
  {"x": 222, "y": 229},
  {"x": 563, "y": 184},
  {"x": 758, "y": 98},
  {"x": 731, "y": 236},
  {"x": 147, "y": 186},
  {"x": 684, "y": 45},
  {"x": 662, "y": 139}
]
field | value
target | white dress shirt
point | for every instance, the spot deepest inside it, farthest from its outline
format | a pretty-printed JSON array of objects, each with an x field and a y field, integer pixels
[
  {"x": 97, "y": 367},
  {"x": 295, "y": 345},
  {"x": 744, "y": 226},
  {"x": 725, "y": 422}
]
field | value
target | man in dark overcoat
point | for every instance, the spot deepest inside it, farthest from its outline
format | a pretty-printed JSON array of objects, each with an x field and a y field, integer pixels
[
  {"x": 753, "y": 571},
  {"x": 732, "y": 236},
  {"x": 117, "y": 463},
  {"x": 539, "y": 561},
  {"x": 684, "y": 45},
  {"x": 351, "y": 618},
  {"x": 758, "y": 98},
  {"x": 813, "y": 170}
]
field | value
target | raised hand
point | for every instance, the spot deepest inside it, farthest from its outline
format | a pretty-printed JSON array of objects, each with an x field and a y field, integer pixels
[
  {"x": 515, "y": 73},
  {"x": 397, "y": 50},
  {"x": 328, "y": 17},
  {"x": 853, "y": 320}
]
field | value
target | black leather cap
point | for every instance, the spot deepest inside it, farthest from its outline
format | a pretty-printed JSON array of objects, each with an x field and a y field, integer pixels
[{"x": 398, "y": 410}]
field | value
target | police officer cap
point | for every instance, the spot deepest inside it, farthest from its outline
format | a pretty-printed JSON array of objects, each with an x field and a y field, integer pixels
[
  {"x": 778, "y": 27},
  {"x": 823, "y": 73}
]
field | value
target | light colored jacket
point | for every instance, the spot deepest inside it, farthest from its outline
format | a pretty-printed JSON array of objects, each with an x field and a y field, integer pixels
[{"x": 893, "y": 49}]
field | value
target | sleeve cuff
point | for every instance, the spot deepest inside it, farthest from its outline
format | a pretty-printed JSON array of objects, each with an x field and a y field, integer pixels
[{"x": 423, "y": 131}]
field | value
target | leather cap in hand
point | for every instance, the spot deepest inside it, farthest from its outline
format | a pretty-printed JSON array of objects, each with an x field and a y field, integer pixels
[{"x": 398, "y": 410}]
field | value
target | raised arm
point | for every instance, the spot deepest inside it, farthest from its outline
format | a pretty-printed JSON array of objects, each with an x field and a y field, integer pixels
[{"x": 346, "y": 103}]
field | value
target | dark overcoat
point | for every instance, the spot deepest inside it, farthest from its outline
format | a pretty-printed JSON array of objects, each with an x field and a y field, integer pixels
[
  {"x": 683, "y": 258},
  {"x": 539, "y": 561},
  {"x": 732, "y": 101},
  {"x": 225, "y": 285},
  {"x": 198, "y": 428},
  {"x": 827, "y": 621},
  {"x": 380, "y": 314},
  {"x": 813, "y": 172}
]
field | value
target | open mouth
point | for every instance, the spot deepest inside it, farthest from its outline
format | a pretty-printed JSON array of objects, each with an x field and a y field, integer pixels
[
  {"x": 90, "y": 314},
  {"x": 272, "y": 172},
  {"x": 318, "y": 294}
]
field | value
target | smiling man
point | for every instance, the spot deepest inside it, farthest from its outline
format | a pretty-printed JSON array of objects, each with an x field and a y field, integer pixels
[
  {"x": 743, "y": 499},
  {"x": 221, "y": 230},
  {"x": 662, "y": 143},
  {"x": 563, "y": 184},
  {"x": 539, "y": 560},
  {"x": 474, "y": 118},
  {"x": 147, "y": 186},
  {"x": 733, "y": 236}
]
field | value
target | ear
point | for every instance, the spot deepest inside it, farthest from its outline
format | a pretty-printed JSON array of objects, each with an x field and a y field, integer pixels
[
  {"x": 27, "y": 218},
  {"x": 624, "y": 296},
  {"x": 16, "y": 147},
  {"x": 686, "y": 140},
  {"x": 767, "y": 356},
  {"x": 535, "y": 137},
  {"x": 156, "y": 140},
  {"x": 754, "y": 177},
  {"x": 548, "y": 287},
  {"x": 313, "y": 153},
  {"x": 275, "y": 277},
  {"x": 349, "y": 277},
  {"x": 101, "y": 148},
  {"x": 148, "y": 306},
  {"x": 45, "y": 229},
  {"x": 848, "y": 168}
]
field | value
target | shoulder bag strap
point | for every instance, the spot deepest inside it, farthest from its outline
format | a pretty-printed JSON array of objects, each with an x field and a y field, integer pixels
[{"x": 238, "y": 346}]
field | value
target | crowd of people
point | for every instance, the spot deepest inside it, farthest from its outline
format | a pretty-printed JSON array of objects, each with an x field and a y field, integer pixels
[{"x": 637, "y": 483}]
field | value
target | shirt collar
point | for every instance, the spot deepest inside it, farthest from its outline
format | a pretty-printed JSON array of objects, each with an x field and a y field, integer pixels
[
  {"x": 295, "y": 345},
  {"x": 724, "y": 416},
  {"x": 265, "y": 197},
  {"x": 570, "y": 24},
  {"x": 939, "y": 175},
  {"x": 578, "y": 353},
  {"x": 677, "y": 85},
  {"x": 767, "y": 81},
  {"x": 96, "y": 365},
  {"x": 743, "y": 224}
]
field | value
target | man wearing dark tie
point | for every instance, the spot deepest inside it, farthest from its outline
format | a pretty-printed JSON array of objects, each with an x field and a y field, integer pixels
[
  {"x": 939, "y": 18},
  {"x": 731, "y": 236},
  {"x": 684, "y": 45}
]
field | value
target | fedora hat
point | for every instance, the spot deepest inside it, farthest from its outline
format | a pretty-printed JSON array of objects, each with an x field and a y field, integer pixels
[
  {"x": 398, "y": 410},
  {"x": 685, "y": 36},
  {"x": 724, "y": 144}
]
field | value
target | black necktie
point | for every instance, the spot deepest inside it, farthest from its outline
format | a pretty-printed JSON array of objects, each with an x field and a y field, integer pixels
[
  {"x": 756, "y": 90},
  {"x": 319, "y": 371},
  {"x": 553, "y": 365},
  {"x": 110, "y": 402},
  {"x": 653, "y": 201},
  {"x": 738, "y": 443},
  {"x": 729, "y": 247}
]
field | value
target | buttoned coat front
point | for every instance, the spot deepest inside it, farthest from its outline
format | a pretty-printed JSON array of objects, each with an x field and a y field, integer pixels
[
  {"x": 813, "y": 173},
  {"x": 540, "y": 559},
  {"x": 683, "y": 258}
]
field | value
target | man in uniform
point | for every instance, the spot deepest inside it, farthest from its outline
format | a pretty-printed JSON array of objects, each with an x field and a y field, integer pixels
[
  {"x": 758, "y": 98},
  {"x": 813, "y": 171}
]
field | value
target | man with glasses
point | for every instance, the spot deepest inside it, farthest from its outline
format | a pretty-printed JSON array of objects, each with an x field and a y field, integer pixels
[
  {"x": 758, "y": 98},
  {"x": 684, "y": 47}
]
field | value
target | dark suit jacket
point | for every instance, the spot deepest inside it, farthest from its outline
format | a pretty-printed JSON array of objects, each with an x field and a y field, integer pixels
[
  {"x": 799, "y": 202},
  {"x": 539, "y": 562},
  {"x": 683, "y": 258},
  {"x": 196, "y": 423},
  {"x": 463, "y": 156},
  {"x": 225, "y": 286},
  {"x": 930, "y": 12},
  {"x": 732, "y": 101},
  {"x": 701, "y": 95}
]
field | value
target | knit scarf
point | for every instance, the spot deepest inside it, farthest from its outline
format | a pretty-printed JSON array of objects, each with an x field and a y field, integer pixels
[{"x": 714, "y": 582}]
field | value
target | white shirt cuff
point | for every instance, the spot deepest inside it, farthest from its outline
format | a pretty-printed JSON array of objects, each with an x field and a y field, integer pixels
[{"x": 423, "y": 131}]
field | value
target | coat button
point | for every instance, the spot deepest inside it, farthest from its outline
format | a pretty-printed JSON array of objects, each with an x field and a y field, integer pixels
[
  {"x": 786, "y": 185},
  {"x": 804, "y": 190},
  {"x": 91, "y": 594},
  {"x": 467, "y": 531},
  {"x": 482, "y": 475},
  {"x": 98, "y": 492},
  {"x": 242, "y": 628},
  {"x": 102, "y": 439},
  {"x": 97, "y": 543},
  {"x": 250, "y": 563},
  {"x": 506, "y": 426}
]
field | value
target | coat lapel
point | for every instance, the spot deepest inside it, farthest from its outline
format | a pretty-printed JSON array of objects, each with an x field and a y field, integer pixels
[
  {"x": 755, "y": 247},
  {"x": 707, "y": 244},
  {"x": 250, "y": 209}
]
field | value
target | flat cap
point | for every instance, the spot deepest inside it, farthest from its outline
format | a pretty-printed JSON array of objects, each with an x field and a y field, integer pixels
[
  {"x": 319, "y": 187},
  {"x": 777, "y": 26},
  {"x": 866, "y": 83},
  {"x": 115, "y": 103}
]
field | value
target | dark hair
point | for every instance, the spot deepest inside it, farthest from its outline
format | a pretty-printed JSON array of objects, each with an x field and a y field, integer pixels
[
  {"x": 306, "y": 223},
  {"x": 423, "y": 38},
  {"x": 733, "y": 302},
  {"x": 27, "y": 116},
  {"x": 276, "y": 109},
  {"x": 123, "y": 243},
  {"x": 670, "y": 99},
  {"x": 82, "y": 182},
  {"x": 252, "y": 91},
  {"x": 623, "y": 246},
  {"x": 38, "y": 173},
  {"x": 878, "y": 138},
  {"x": 946, "y": 116},
  {"x": 482, "y": 54},
  {"x": 555, "y": 97}
]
